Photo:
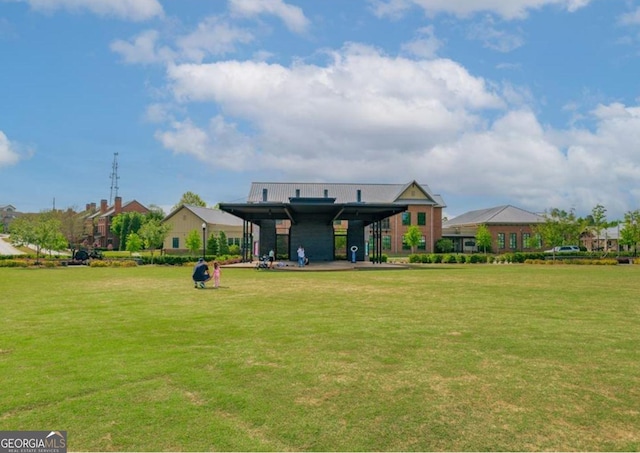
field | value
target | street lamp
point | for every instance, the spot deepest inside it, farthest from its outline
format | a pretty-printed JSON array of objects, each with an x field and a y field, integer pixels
[{"x": 204, "y": 243}]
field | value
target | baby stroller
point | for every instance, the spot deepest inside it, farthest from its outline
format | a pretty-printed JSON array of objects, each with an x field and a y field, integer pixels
[{"x": 263, "y": 263}]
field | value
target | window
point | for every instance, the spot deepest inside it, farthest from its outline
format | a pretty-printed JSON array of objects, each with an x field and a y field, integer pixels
[
  {"x": 422, "y": 218},
  {"x": 386, "y": 242},
  {"x": 423, "y": 243},
  {"x": 385, "y": 225},
  {"x": 501, "y": 239},
  {"x": 175, "y": 243},
  {"x": 513, "y": 241},
  {"x": 406, "y": 218},
  {"x": 538, "y": 241},
  {"x": 326, "y": 193},
  {"x": 526, "y": 238}
]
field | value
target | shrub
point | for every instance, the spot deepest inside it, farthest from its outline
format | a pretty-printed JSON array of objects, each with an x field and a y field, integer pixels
[
  {"x": 415, "y": 258},
  {"x": 475, "y": 258},
  {"x": 449, "y": 259},
  {"x": 13, "y": 263}
]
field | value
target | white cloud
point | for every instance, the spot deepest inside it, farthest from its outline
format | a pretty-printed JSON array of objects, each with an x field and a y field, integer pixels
[
  {"x": 292, "y": 16},
  {"x": 425, "y": 45},
  {"x": 8, "y": 153},
  {"x": 220, "y": 145},
  {"x": 507, "y": 9},
  {"x": 135, "y": 10},
  {"x": 368, "y": 116},
  {"x": 494, "y": 38},
  {"x": 213, "y": 36},
  {"x": 143, "y": 49},
  {"x": 631, "y": 18},
  {"x": 363, "y": 109}
]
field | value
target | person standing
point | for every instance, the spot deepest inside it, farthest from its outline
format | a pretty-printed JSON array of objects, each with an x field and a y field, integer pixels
[
  {"x": 272, "y": 258},
  {"x": 300, "y": 256},
  {"x": 216, "y": 274}
]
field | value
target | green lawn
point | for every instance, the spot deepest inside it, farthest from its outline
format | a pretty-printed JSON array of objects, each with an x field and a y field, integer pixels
[{"x": 468, "y": 357}]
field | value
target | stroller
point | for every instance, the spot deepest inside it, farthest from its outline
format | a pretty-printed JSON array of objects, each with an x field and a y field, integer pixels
[{"x": 263, "y": 263}]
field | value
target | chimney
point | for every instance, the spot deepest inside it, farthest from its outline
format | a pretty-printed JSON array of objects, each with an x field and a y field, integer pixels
[
  {"x": 87, "y": 207},
  {"x": 93, "y": 207},
  {"x": 103, "y": 206},
  {"x": 118, "y": 206}
]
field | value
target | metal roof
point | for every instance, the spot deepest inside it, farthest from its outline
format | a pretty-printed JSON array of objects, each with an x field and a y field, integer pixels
[
  {"x": 281, "y": 192},
  {"x": 498, "y": 215},
  {"x": 210, "y": 216}
]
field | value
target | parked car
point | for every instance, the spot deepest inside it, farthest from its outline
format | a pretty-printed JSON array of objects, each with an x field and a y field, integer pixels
[{"x": 564, "y": 249}]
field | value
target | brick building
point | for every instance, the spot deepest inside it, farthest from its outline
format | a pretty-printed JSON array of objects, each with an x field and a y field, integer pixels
[
  {"x": 98, "y": 221},
  {"x": 510, "y": 229}
]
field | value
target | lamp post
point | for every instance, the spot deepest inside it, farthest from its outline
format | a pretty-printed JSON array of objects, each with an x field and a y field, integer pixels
[{"x": 204, "y": 242}]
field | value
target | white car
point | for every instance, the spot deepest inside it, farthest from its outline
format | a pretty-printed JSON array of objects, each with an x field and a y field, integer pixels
[{"x": 564, "y": 249}]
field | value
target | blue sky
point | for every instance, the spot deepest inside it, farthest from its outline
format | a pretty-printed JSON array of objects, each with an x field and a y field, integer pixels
[{"x": 534, "y": 103}]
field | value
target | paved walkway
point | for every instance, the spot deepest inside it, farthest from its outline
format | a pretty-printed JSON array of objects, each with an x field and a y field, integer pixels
[
  {"x": 6, "y": 248},
  {"x": 322, "y": 266}
]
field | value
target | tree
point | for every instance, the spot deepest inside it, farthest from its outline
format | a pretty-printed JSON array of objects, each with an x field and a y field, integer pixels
[
  {"x": 559, "y": 228},
  {"x": 40, "y": 230},
  {"x": 153, "y": 234},
  {"x": 212, "y": 244},
  {"x": 125, "y": 223},
  {"x": 134, "y": 243},
  {"x": 599, "y": 222},
  {"x": 155, "y": 212},
  {"x": 223, "y": 245},
  {"x": 72, "y": 227},
  {"x": 483, "y": 238},
  {"x": 194, "y": 241},
  {"x": 190, "y": 198},
  {"x": 444, "y": 245},
  {"x": 630, "y": 233},
  {"x": 412, "y": 237}
]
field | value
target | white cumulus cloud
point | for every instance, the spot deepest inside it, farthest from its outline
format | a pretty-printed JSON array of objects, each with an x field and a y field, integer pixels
[
  {"x": 292, "y": 16},
  {"x": 135, "y": 10},
  {"x": 507, "y": 9},
  {"x": 8, "y": 153}
]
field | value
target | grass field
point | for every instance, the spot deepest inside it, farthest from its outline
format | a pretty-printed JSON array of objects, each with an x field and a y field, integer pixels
[{"x": 461, "y": 357}]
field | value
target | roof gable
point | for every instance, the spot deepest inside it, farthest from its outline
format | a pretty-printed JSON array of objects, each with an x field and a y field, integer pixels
[
  {"x": 414, "y": 191},
  {"x": 208, "y": 215}
]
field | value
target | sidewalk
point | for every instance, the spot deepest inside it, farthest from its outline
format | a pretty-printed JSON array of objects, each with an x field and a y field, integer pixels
[
  {"x": 6, "y": 248},
  {"x": 322, "y": 266}
]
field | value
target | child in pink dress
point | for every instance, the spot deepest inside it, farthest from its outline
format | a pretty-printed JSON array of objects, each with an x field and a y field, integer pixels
[{"x": 216, "y": 274}]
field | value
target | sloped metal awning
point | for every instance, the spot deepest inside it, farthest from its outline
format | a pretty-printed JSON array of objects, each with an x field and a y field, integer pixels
[{"x": 324, "y": 209}]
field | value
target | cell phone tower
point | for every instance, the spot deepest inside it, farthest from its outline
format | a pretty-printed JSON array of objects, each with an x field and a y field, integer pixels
[{"x": 114, "y": 178}]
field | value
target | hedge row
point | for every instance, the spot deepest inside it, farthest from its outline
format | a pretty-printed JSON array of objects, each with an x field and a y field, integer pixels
[
  {"x": 518, "y": 257},
  {"x": 169, "y": 260}
]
